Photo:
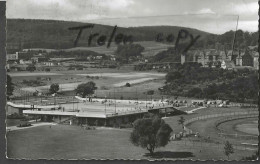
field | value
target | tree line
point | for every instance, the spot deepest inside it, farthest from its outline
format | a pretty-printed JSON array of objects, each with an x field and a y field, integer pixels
[{"x": 192, "y": 80}]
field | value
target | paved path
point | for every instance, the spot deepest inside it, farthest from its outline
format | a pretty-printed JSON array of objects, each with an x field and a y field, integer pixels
[
  {"x": 193, "y": 110},
  {"x": 12, "y": 128},
  {"x": 109, "y": 128}
]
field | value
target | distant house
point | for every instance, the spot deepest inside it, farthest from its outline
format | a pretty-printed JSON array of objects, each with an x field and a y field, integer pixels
[
  {"x": 253, "y": 48},
  {"x": 198, "y": 102},
  {"x": 201, "y": 58},
  {"x": 90, "y": 58},
  {"x": 247, "y": 59},
  {"x": 196, "y": 55},
  {"x": 98, "y": 57},
  {"x": 39, "y": 58},
  {"x": 256, "y": 62},
  {"x": 112, "y": 57},
  {"x": 226, "y": 64},
  {"x": 22, "y": 61},
  {"x": 12, "y": 57},
  {"x": 49, "y": 63},
  {"x": 239, "y": 59}
]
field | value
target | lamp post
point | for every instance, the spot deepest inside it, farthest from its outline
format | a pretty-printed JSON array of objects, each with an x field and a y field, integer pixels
[
  {"x": 146, "y": 95},
  {"x": 73, "y": 103},
  {"x": 105, "y": 106},
  {"x": 136, "y": 97},
  {"x": 115, "y": 100}
]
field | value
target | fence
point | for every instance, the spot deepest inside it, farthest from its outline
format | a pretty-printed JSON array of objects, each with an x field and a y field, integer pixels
[
  {"x": 217, "y": 145},
  {"x": 252, "y": 112},
  {"x": 237, "y": 143},
  {"x": 43, "y": 100}
]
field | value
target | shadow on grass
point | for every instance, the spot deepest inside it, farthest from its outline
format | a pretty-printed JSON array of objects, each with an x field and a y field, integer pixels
[{"x": 169, "y": 154}]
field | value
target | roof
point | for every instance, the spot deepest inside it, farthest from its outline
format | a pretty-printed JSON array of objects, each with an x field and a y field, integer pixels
[{"x": 222, "y": 54}]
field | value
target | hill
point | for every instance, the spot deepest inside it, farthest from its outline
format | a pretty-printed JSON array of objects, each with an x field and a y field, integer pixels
[{"x": 52, "y": 34}]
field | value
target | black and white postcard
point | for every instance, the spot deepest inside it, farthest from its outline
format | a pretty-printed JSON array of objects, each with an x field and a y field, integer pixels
[{"x": 132, "y": 79}]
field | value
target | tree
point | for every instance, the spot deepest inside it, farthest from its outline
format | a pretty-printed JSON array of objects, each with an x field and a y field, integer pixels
[
  {"x": 150, "y": 133},
  {"x": 10, "y": 86},
  {"x": 252, "y": 157},
  {"x": 194, "y": 92},
  {"x": 96, "y": 122},
  {"x": 31, "y": 68},
  {"x": 127, "y": 51},
  {"x": 54, "y": 88},
  {"x": 47, "y": 69},
  {"x": 150, "y": 92},
  {"x": 171, "y": 76},
  {"x": 128, "y": 85},
  {"x": 86, "y": 88},
  {"x": 181, "y": 122},
  {"x": 228, "y": 149}
]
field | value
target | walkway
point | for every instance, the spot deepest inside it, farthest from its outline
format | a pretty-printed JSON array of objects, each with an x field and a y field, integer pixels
[
  {"x": 193, "y": 110},
  {"x": 12, "y": 128}
]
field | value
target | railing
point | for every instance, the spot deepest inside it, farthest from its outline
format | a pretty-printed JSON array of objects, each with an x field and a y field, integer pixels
[
  {"x": 201, "y": 144},
  {"x": 251, "y": 140},
  {"x": 127, "y": 112},
  {"x": 220, "y": 115},
  {"x": 50, "y": 112}
]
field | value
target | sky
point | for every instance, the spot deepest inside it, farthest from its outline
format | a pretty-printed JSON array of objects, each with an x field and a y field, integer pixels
[{"x": 214, "y": 16}]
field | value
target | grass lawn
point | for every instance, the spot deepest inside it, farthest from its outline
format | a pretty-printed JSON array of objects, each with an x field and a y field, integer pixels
[
  {"x": 207, "y": 128},
  {"x": 107, "y": 78},
  {"x": 231, "y": 126},
  {"x": 72, "y": 142},
  {"x": 12, "y": 122}
]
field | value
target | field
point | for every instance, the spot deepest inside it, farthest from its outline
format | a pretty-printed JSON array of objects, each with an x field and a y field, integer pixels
[
  {"x": 103, "y": 80},
  {"x": 26, "y": 74},
  {"x": 108, "y": 81},
  {"x": 249, "y": 127},
  {"x": 72, "y": 142},
  {"x": 151, "y": 48}
]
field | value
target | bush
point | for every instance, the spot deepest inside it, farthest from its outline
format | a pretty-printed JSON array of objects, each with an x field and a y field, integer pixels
[
  {"x": 150, "y": 92},
  {"x": 15, "y": 116},
  {"x": 253, "y": 157},
  {"x": 24, "y": 125},
  {"x": 128, "y": 85},
  {"x": 129, "y": 125},
  {"x": 112, "y": 66},
  {"x": 47, "y": 69},
  {"x": 90, "y": 128},
  {"x": 33, "y": 82},
  {"x": 54, "y": 88},
  {"x": 104, "y": 88},
  {"x": 31, "y": 68}
]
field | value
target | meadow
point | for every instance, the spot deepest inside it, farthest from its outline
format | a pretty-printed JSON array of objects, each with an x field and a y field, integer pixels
[{"x": 73, "y": 142}]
